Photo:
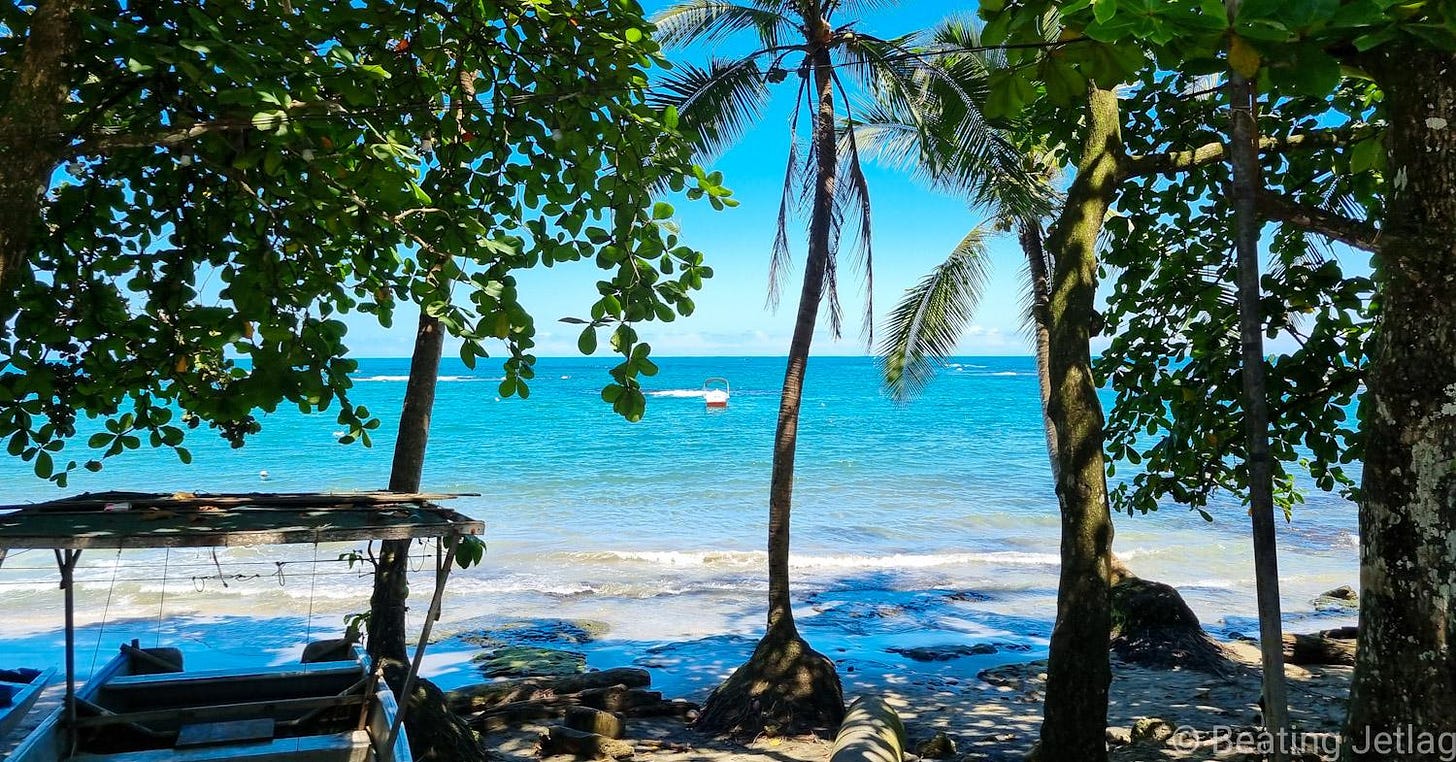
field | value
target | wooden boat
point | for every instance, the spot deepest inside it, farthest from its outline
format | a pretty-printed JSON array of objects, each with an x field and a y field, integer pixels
[
  {"x": 18, "y": 691},
  {"x": 143, "y": 707}
]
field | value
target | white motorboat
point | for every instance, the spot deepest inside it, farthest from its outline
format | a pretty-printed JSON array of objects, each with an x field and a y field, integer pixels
[{"x": 716, "y": 391}]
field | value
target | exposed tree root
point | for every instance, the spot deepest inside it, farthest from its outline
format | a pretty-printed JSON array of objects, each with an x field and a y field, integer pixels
[
  {"x": 785, "y": 688},
  {"x": 1153, "y": 626}
]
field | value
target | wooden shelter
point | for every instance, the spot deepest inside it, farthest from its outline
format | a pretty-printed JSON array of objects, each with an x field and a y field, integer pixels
[{"x": 124, "y": 520}]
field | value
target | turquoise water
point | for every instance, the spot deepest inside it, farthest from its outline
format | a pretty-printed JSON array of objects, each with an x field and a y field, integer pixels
[{"x": 932, "y": 523}]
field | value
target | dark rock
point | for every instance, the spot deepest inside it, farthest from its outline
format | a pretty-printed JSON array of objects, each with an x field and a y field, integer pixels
[
  {"x": 1013, "y": 675},
  {"x": 1153, "y": 730},
  {"x": 944, "y": 653},
  {"x": 533, "y": 632},
  {"x": 938, "y": 746},
  {"x": 1342, "y": 598},
  {"x": 529, "y": 661}
]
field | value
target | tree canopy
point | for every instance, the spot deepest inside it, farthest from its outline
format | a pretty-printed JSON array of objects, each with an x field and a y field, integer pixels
[{"x": 221, "y": 183}]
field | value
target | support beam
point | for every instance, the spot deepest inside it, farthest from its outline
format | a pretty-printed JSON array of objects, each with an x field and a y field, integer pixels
[{"x": 442, "y": 574}]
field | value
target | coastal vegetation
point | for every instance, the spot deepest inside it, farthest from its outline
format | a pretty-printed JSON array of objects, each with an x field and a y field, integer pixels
[{"x": 192, "y": 197}]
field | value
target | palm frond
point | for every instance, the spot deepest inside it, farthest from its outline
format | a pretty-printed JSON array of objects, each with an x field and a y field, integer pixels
[
  {"x": 922, "y": 114},
  {"x": 778, "y": 262},
  {"x": 858, "y": 6},
  {"x": 716, "y": 105},
  {"x": 924, "y": 326},
  {"x": 853, "y": 197},
  {"x": 713, "y": 20}
]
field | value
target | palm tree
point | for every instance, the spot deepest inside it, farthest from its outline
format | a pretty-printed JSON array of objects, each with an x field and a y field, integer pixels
[
  {"x": 931, "y": 316},
  {"x": 786, "y": 686}
]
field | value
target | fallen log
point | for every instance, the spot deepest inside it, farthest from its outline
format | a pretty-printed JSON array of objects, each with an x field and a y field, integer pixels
[
  {"x": 563, "y": 740},
  {"x": 872, "y": 732},
  {"x": 1330, "y": 647},
  {"x": 474, "y": 698},
  {"x": 588, "y": 720}
]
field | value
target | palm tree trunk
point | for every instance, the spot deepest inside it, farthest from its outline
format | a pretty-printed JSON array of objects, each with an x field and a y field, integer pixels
[
  {"x": 1074, "y": 724},
  {"x": 32, "y": 135},
  {"x": 1405, "y": 663},
  {"x": 1244, "y": 152},
  {"x": 786, "y": 687},
  {"x": 1029, "y": 234},
  {"x": 786, "y": 434},
  {"x": 387, "y": 606}
]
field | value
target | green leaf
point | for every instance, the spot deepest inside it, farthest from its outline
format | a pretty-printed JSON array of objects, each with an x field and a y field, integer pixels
[{"x": 586, "y": 342}]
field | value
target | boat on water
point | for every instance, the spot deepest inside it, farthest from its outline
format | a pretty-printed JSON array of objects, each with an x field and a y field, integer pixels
[
  {"x": 19, "y": 688},
  {"x": 144, "y": 706},
  {"x": 716, "y": 392}
]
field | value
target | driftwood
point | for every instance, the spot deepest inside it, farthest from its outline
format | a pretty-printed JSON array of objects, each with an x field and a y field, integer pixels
[
  {"x": 485, "y": 696},
  {"x": 563, "y": 740},
  {"x": 1336, "y": 647},
  {"x": 616, "y": 699},
  {"x": 589, "y": 720},
  {"x": 872, "y": 732}
]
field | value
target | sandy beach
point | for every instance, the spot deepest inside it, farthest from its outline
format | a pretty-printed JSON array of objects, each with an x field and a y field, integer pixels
[{"x": 1154, "y": 714}]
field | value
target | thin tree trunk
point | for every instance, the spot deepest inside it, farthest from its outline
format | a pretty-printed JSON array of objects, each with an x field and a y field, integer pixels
[
  {"x": 1244, "y": 151},
  {"x": 388, "y": 604},
  {"x": 1029, "y": 234},
  {"x": 1074, "y": 724},
  {"x": 781, "y": 484},
  {"x": 33, "y": 134},
  {"x": 1405, "y": 663}
]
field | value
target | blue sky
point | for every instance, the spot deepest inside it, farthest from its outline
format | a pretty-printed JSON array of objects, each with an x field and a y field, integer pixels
[{"x": 914, "y": 228}]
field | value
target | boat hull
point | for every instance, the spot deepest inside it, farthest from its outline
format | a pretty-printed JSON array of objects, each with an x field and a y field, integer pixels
[
  {"x": 332, "y": 711},
  {"x": 22, "y": 699}
]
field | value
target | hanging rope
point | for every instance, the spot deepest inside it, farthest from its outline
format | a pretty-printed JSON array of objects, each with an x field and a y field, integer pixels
[
  {"x": 312, "y": 582},
  {"x": 105, "y": 610},
  {"x": 166, "y": 560}
]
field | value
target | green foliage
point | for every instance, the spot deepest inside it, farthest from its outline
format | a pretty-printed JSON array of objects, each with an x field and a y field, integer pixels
[
  {"x": 1177, "y": 423},
  {"x": 240, "y": 175},
  {"x": 1296, "y": 47},
  {"x": 924, "y": 326},
  {"x": 1174, "y": 358}
]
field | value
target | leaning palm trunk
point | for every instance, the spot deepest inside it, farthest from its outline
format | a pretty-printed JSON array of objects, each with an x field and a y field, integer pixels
[
  {"x": 1028, "y": 234},
  {"x": 787, "y": 687}
]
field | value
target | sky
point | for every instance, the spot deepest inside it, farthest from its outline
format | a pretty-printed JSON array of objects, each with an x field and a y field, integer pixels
[{"x": 914, "y": 229}]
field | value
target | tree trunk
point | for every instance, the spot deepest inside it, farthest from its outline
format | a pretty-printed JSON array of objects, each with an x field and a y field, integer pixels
[
  {"x": 786, "y": 686},
  {"x": 1405, "y": 666},
  {"x": 1074, "y": 724},
  {"x": 435, "y": 732},
  {"x": 32, "y": 135},
  {"x": 1244, "y": 152},
  {"x": 387, "y": 606},
  {"x": 1029, "y": 234}
]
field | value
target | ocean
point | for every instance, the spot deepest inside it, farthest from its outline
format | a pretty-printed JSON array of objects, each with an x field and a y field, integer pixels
[{"x": 932, "y": 523}]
